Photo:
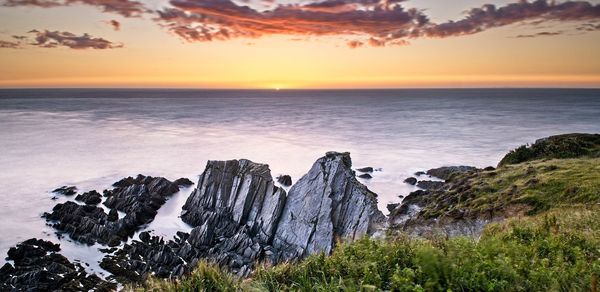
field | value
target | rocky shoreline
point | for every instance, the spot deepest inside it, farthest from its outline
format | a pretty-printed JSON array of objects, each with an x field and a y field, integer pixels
[{"x": 241, "y": 217}]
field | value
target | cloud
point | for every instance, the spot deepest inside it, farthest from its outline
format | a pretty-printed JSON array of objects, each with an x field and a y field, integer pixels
[
  {"x": 114, "y": 24},
  {"x": 543, "y": 33},
  {"x": 54, "y": 39},
  {"x": 489, "y": 16},
  {"x": 9, "y": 45},
  {"x": 127, "y": 8},
  {"x": 373, "y": 22},
  {"x": 207, "y": 20}
]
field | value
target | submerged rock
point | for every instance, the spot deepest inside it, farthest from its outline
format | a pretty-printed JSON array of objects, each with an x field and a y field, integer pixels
[
  {"x": 285, "y": 180},
  {"x": 241, "y": 219},
  {"x": 39, "y": 267},
  {"x": 66, "y": 190},
  {"x": 365, "y": 176},
  {"x": 139, "y": 198}
]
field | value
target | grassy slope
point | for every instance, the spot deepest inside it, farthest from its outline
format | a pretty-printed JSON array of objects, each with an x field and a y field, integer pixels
[
  {"x": 536, "y": 186},
  {"x": 555, "y": 251}
]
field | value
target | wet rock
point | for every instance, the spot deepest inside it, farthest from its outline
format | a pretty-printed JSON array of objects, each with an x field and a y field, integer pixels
[
  {"x": 139, "y": 198},
  {"x": 183, "y": 182},
  {"x": 430, "y": 185},
  {"x": 419, "y": 173},
  {"x": 392, "y": 206},
  {"x": 411, "y": 181},
  {"x": 39, "y": 267},
  {"x": 365, "y": 169},
  {"x": 365, "y": 176},
  {"x": 66, "y": 190},
  {"x": 90, "y": 198},
  {"x": 339, "y": 207},
  {"x": 446, "y": 172},
  {"x": 285, "y": 180}
]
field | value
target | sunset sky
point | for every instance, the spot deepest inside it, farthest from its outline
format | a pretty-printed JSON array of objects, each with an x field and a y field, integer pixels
[{"x": 299, "y": 43}]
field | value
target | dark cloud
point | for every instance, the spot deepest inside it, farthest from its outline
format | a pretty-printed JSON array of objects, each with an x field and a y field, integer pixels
[
  {"x": 543, "y": 33},
  {"x": 489, "y": 16},
  {"x": 54, "y": 39},
  {"x": 373, "y": 22},
  {"x": 114, "y": 24},
  {"x": 127, "y": 8},
  {"x": 9, "y": 45}
]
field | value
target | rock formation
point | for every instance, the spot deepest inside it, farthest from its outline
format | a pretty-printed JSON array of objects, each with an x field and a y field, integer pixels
[
  {"x": 326, "y": 204},
  {"x": 139, "y": 198},
  {"x": 241, "y": 218},
  {"x": 39, "y": 267}
]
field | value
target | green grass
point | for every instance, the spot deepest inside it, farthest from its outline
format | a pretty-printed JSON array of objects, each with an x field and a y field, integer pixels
[
  {"x": 533, "y": 186},
  {"x": 555, "y": 251},
  {"x": 556, "y": 147}
]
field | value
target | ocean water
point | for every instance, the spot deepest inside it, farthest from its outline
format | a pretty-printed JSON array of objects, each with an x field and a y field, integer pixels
[{"x": 92, "y": 138}]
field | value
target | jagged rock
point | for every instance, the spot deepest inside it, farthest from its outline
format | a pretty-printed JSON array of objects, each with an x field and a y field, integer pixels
[
  {"x": 411, "y": 181},
  {"x": 183, "y": 182},
  {"x": 39, "y": 267},
  {"x": 430, "y": 185},
  {"x": 285, "y": 180},
  {"x": 90, "y": 198},
  {"x": 446, "y": 172},
  {"x": 139, "y": 198},
  {"x": 326, "y": 204},
  {"x": 66, "y": 190},
  {"x": 365, "y": 169},
  {"x": 365, "y": 176},
  {"x": 241, "y": 218}
]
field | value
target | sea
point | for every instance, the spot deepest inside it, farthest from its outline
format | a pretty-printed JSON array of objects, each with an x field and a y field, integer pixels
[{"x": 90, "y": 138}]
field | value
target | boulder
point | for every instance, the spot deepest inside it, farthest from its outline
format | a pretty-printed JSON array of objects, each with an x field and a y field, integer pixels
[
  {"x": 365, "y": 169},
  {"x": 411, "y": 181},
  {"x": 430, "y": 185},
  {"x": 285, "y": 180},
  {"x": 184, "y": 182},
  {"x": 37, "y": 266}
]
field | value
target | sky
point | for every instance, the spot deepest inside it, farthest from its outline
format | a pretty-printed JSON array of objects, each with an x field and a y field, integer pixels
[{"x": 296, "y": 44}]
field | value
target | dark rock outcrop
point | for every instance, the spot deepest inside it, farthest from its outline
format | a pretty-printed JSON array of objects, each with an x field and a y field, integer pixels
[
  {"x": 39, "y": 267},
  {"x": 139, "y": 198},
  {"x": 365, "y": 176},
  {"x": 430, "y": 185},
  {"x": 411, "y": 181},
  {"x": 446, "y": 172},
  {"x": 241, "y": 218},
  {"x": 66, "y": 190},
  {"x": 90, "y": 198},
  {"x": 184, "y": 182},
  {"x": 365, "y": 169},
  {"x": 285, "y": 180}
]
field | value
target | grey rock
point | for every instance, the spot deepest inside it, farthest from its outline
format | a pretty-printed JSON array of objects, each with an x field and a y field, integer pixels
[
  {"x": 66, "y": 190},
  {"x": 430, "y": 185},
  {"x": 90, "y": 198},
  {"x": 365, "y": 176},
  {"x": 365, "y": 169},
  {"x": 285, "y": 180},
  {"x": 327, "y": 203}
]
